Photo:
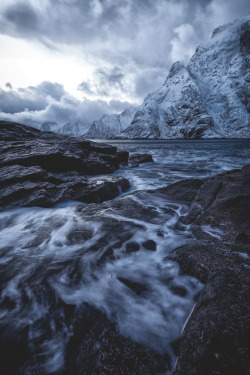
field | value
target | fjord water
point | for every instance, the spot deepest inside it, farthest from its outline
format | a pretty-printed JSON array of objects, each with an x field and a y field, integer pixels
[
  {"x": 55, "y": 258},
  {"x": 176, "y": 160}
]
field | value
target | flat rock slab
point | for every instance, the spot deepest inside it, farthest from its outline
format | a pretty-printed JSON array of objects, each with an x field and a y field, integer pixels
[{"x": 43, "y": 169}]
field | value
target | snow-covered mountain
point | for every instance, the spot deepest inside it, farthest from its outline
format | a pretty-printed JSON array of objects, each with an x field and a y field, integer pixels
[
  {"x": 208, "y": 98},
  {"x": 175, "y": 111},
  {"x": 110, "y": 126},
  {"x": 74, "y": 129}
]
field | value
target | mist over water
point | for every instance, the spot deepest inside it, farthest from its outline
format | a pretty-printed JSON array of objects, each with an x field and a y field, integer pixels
[{"x": 51, "y": 259}]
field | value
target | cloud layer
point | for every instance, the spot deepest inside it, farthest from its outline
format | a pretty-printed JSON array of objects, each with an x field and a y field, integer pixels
[
  {"x": 129, "y": 44},
  {"x": 48, "y": 102}
]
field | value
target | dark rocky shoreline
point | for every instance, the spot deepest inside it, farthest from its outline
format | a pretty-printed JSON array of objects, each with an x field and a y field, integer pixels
[
  {"x": 44, "y": 169},
  {"x": 216, "y": 337}
]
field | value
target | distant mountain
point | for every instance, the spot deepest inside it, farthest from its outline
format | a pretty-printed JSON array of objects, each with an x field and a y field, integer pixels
[
  {"x": 208, "y": 98},
  {"x": 110, "y": 126},
  {"x": 74, "y": 129}
]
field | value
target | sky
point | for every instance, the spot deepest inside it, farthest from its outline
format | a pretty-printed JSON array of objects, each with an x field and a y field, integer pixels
[{"x": 74, "y": 60}]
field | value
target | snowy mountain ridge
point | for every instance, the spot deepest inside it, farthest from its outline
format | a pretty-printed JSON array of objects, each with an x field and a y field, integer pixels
[
  {"x": 74, "y": 129},
  {"x": 208, "y": 98},
  {"x": 110, "y": 126}
]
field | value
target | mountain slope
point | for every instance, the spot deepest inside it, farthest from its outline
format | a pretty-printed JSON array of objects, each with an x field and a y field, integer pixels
[
  {"x": 208, "y": 98},
  {"x": 75, "y": 129},
  {"x": 176, "y": 110},
  {"x": 221, "y": 69},
  {"x": 110, "y": 125}
]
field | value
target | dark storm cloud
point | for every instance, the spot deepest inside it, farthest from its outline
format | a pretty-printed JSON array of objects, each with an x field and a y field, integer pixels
[
  {"x": 112, "y": 78},
  {"x": 23, "y": 17},
  {"x": 142, "y": 38},
  {"x": 29, "y": 98},
  {"x": 8, "y": 85},
  {"x": 86, "y": 88},
  {"x": 49, "y": 103},
  {"x": 77, "y": 21},
  {"x": 83, "y": 22},
  {"x": 104, "y": 83}
]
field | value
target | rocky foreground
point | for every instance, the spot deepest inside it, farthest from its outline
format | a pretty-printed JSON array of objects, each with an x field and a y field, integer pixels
[
  {"x": 43, "y": 169},
  {"x": 216, "y": 337}
]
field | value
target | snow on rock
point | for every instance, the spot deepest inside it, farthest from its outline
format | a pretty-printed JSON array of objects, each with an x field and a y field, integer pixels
[
  {"x": 110, "y": 126},
  {"x": 208, "y": 98},
  {"x": 176, "y": 110},
  {"x": 221, "y": 69},
  {"x": 75, "y": 129}
]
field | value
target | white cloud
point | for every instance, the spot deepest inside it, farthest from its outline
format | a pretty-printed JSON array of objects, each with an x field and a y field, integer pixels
[
  {"x": 184, "y": 43},
  {"x": 48, "y": 102},
  {"x": 68, "y": 41},
  {"x": 96, "y": 8}
]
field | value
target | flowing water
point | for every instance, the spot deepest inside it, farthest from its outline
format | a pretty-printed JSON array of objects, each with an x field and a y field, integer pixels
[{"x": 75, "y": 253}]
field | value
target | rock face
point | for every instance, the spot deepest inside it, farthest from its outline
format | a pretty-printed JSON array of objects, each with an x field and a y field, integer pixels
[
  {"x": 110, "y": 126},
  {"x": 215, "y": 339},
  {"x": 206, "y": 99},
  {"x": 43, "y": 169},
  {"x": 177, "y": 110},
  {"x": 74, "y": 129}
]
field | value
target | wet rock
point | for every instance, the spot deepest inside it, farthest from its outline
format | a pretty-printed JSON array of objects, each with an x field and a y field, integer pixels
[
  {"x": 123, "y": 156},
  {"x": 136, "y": 159},
  {"x": 133, "y": 285},
  {"x": 132, "y": 247},
  {"x": 47, "y": 194},
  {"x": 215, "y": 337},
  {"x": 181, "y": 191},
  {"x": 224, "y": 200},
  {"x": 96, "y": 347},
  {"x": 205, "y": 259},
  {"x": 43, "y": 169},
  {"x": 179, "y": 290},
  {"x": 103, "y": 148},
  {"x": 149, "y": 245}
]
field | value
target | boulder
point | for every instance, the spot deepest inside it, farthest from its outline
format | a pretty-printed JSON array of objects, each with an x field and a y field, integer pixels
[{"x": 136, "y": 159}]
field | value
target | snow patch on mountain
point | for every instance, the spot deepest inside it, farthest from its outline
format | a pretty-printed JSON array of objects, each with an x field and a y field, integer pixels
[
  {"x": 176, "y": 110},
  {"x": 221, "y": 69},
  {"x": 74, "y": 129},
  {"x": 206, "y": 99},
  {"x": 110, "y": 126}
]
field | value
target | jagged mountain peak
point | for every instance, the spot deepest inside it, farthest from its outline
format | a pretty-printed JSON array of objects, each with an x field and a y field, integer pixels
[
  {"x": 176, "y": 68},
  {"x": 207, "y": 98},
  {"x": 72, "y": 129},
  {"x": 109, "y": 126}
]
